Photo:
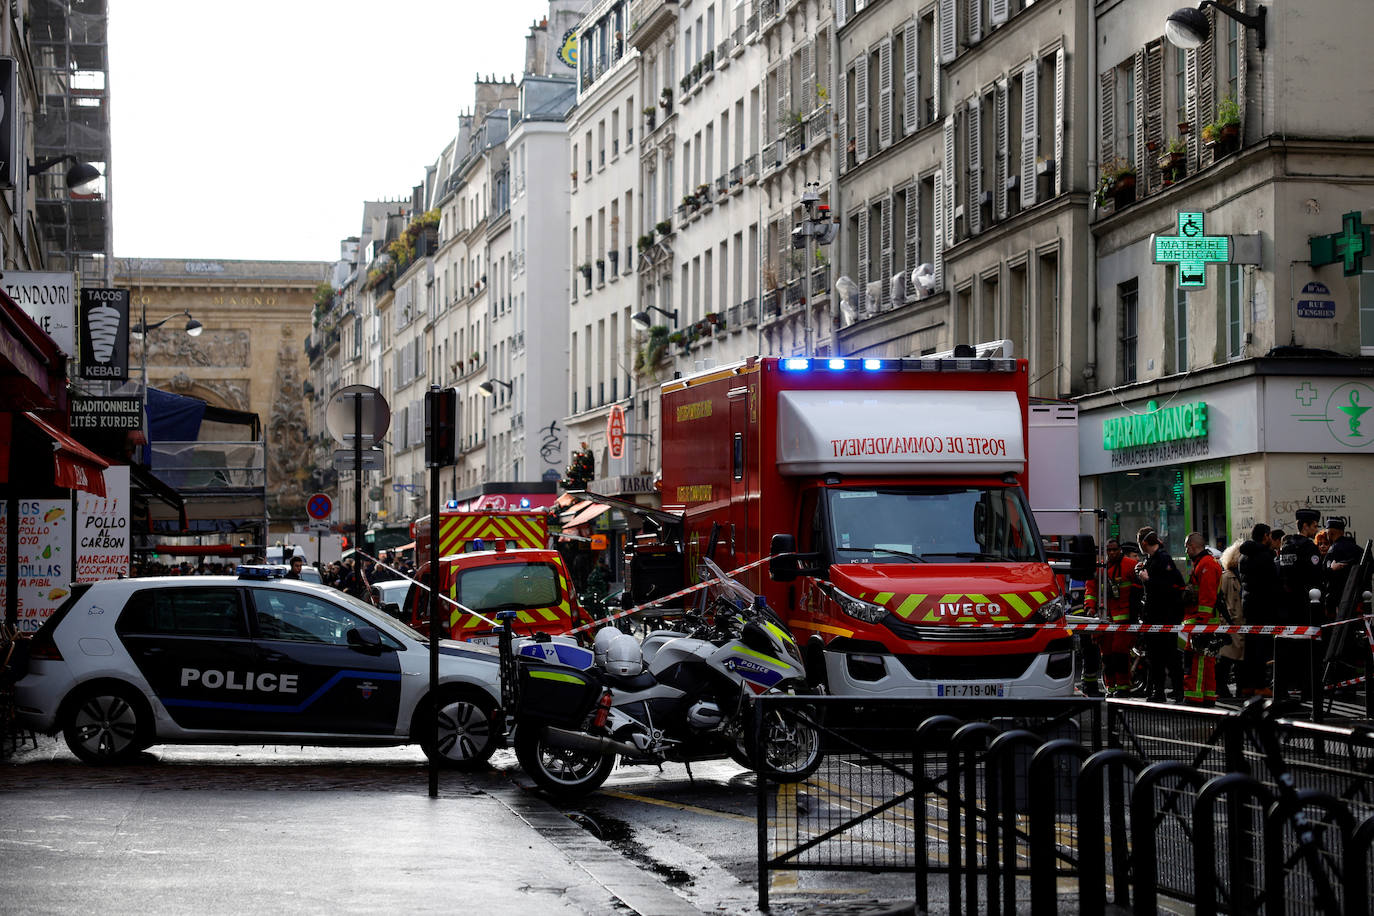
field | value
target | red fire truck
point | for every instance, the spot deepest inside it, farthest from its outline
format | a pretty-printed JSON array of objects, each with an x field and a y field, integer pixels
[{"x": 896, "y": 489}]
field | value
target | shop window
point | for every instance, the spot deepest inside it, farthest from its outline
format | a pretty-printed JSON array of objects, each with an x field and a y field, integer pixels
[
  {"x": 1367, "y": 313},
  {"x": 1128, "y": 296}
]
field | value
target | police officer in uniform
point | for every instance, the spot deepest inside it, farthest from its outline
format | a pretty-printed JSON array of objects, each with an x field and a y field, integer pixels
[
  {"x": 1300, "y": 571},
  {"x": 1338, "y": 563},
  {"x": 1163, "y": 586}
]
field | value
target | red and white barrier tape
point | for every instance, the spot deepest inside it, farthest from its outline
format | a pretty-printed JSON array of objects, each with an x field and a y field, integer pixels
[
  {"x": 666, "y": 598},
  {"x": 1353, "y": 682},
  {"x": 1306, "y": 632},
  {"x": 442, "y": 597}
]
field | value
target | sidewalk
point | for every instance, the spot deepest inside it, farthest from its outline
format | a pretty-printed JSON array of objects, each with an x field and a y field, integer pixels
[{"x": 258, "y": 836}]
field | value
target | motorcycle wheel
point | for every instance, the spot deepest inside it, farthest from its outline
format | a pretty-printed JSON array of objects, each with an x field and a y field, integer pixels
[
  {"x": 561, "y": 772},
  {"x": 791, "y": 749}
]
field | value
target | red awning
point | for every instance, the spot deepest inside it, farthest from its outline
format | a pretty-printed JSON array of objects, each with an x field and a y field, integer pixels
[
  {"x": 74, "y": 465},
  {"x": 33, "y": 371},
  {"x": 585, "y": 515}
]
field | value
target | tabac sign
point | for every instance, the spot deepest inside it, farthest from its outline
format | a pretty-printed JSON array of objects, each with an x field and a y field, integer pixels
[{"x": 1156, "y": 425}]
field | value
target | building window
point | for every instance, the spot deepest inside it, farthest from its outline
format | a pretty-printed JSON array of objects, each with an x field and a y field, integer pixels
[
  {"x": 1128, "y": 295},
  {"x": 1232, "y": 304},
  {"x": 1130, "y": 115}
]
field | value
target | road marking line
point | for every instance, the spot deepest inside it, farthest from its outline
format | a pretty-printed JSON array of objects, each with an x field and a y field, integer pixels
[{"x": 694, "y": 809}]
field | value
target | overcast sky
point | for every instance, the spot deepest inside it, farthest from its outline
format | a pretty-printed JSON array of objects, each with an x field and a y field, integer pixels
[{"x": 257, "y": 129}]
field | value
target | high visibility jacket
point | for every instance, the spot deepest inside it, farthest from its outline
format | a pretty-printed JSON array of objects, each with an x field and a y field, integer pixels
[
  {"x": 1120, "y": 581},
  {"x": 1203, "y": 582}
]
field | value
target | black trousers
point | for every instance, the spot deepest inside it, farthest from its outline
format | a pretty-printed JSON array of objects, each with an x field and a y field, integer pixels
[{"x": 1161, "y": 650}]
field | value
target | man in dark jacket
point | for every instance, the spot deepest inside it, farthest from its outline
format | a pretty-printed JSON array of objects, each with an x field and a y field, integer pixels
[
  {"x": 1343, "y": 557},
  {"x": 1300, "y": 571},
  {"x": 1259, "y": 589},
  {"x": 1163, "y": 587}
]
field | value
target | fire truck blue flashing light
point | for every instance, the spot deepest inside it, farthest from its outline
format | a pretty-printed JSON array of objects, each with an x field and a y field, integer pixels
[
  {"x": 796, "y": 363},
  {"x": 873, "y": 365}
]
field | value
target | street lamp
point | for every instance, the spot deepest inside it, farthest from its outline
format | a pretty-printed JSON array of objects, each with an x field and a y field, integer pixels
[
  {"x": 642, "y": 320},
  {"x": 488, "y": 389},
  {"x": 1188, "y": 27},
  {"x": 140, "y": 331},
  {"x": 81, "y": 177}
]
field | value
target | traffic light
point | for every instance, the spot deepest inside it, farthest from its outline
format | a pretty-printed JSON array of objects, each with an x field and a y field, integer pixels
[{"x": 441, "y": 427}]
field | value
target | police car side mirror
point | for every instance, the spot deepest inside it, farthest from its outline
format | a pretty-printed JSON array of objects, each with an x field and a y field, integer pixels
[
  {"x": 366, "y": 639},
  {"x": 392, "y": 608}
]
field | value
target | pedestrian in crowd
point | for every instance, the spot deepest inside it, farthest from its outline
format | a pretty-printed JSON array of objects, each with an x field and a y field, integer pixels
[
  {"x": 1276, "y": 542},
  {"x": 1300, "y": 571},
  {"x": 297, "y": 563},
  {"x": 1343, "y": 557},
  {"x": 1259, "y": 592},
  {"x": 1163, "y": 586},
  {"x": 382, "y": 572},
  {"x": 1115, "y": 647},
  {"x": 1323, "y": 542},
  {"x": 1199, "y": 607},
  {"x": 1230, "y": 597}
]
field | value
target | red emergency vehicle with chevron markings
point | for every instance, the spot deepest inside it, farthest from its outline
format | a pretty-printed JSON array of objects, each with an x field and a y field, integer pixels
[
  {"x": 494, "y": 561},
  {"x": 895, "y": 488}
]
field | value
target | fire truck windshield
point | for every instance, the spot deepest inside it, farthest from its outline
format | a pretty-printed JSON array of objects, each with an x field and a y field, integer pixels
[
  {"x": 511, "y": 586},
  {"x": 931, "y": 524}
]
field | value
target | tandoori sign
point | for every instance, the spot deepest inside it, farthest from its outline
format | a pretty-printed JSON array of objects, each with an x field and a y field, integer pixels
[
  {"x": 1157, "y": 424},
  {"x": 1191, "y": 250}
]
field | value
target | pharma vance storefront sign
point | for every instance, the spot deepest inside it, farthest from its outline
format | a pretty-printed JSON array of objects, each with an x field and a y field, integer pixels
[{"x": 1156, "y": 425}]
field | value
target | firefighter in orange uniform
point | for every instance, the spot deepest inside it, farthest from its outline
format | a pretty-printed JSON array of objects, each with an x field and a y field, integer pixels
[
  {"x": 1199, "y": 607},
  {"x": 1116, "y": 647}
]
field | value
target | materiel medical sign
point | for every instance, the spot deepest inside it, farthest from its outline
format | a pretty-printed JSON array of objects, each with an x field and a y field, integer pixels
[{"x": 1191, "y": 250}]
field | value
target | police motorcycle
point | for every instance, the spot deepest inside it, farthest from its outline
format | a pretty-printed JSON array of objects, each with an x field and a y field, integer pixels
[{"x": 681, "y": 696}]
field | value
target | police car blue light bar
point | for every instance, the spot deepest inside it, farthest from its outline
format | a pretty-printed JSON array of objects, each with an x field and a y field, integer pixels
[{"x": 260, "y": 572}]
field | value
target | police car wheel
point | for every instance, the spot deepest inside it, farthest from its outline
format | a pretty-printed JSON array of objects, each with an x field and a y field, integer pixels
[
  {"x": 108, "y": 724},
  {"x": 465, "y": 739}
]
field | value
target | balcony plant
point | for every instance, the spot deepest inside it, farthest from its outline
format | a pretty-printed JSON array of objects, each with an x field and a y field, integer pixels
[
  {"x": 665, "y": 98},
  {"x": 664, "y": 227},
  {"x": 1116, "y": 183},
  {"x": 1223, "y": 134},
  {"x": 1174, "y": 162}
]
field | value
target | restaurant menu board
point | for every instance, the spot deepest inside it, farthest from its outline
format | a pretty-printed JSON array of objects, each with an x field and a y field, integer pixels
[
  {"x": 44, "y": 560},
  {"x": 102, "y": 529}
]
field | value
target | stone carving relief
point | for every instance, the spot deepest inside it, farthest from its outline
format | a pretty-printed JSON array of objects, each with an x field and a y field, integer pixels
[
  {"x": 287, "y": 430},
  {"x": 221, "y": 349},
  {"x": 233, "y": 393}
]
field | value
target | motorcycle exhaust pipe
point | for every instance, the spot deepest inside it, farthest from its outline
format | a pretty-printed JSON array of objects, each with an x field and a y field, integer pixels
[{"x": 591, "y": 744}]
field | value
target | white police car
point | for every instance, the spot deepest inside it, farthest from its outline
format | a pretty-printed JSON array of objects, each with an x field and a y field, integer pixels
[{"x": 127, "y": 663}]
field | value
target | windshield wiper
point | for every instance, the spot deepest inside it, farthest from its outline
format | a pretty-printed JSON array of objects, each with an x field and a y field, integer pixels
[
  {"x": 969, "y": 555},
  {"x": 896, "y": 553}
]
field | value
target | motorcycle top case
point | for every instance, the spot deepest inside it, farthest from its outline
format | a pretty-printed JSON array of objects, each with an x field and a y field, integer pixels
[{"x": 556, "y": 694}]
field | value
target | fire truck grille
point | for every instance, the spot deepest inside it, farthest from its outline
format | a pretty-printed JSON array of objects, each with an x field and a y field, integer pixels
[
  {"x": 951, "y": 633},
  {"x": 967, "y": 667}
]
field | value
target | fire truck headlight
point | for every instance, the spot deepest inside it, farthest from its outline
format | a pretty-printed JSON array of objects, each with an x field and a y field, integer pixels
[
  {"x": 857, "y": 608},
  {"x": 1055, "y": 608}
]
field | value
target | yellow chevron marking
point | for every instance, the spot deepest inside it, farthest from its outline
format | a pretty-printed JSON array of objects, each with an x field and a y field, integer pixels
[
  {"x": 908, "y": 605},
  {"x": 1039, "y": 596},
  {"x": 524, "y": 617},
  {"x": 883, "y": 597},
  {"x": 950, "y": 599},
  {"x": 796, "y": 624},
  {"x": 1016, "y": 601},
  {"x": 981, "y": 599},
  {"x": 548, "y": 614}
]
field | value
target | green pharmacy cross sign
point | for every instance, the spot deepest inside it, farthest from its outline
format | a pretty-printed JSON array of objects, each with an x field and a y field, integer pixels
[
  {"x": 1349, "y": 246},
  {"x": 1191, "y": 250}
]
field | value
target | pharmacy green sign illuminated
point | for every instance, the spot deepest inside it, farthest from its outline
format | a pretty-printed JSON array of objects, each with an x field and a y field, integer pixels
[
  {"x": 1157, "y": 424},
  {"x": 1191, "y": 250}
]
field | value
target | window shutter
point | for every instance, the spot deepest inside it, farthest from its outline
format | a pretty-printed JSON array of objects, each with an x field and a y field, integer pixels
[
  {"x": 913, "y": 230},
  {"x": 771, "y": 114},
  {"x": 1002, "y": 168},
  {"x": 1030, "y": 97},
  {"x": 1061, "y": 163},
  {"x": 975, "y": 165},
  {"x": 863, "y": 260},
  {"x": 1242, "y": 50},
  {"x": 784, "y": 95},
  {"x": 951, "y": 179},
  {"x": 841, "y": 91},
  {"x": 808, "y": 79},
  {"x": 975, "y": 21},
  {"x": 998, "y": 12},
  {"x": 1154, "y": 112},
  {"x": 1194, "y": 111},
  {"x": 1206, "y": 83},
  {"x": 911, "y": 113},
  {"x": 1107, "y": 137},
  {"x": 887, "y": 252},
  {"x": 841, "y": 12},
  {"x": 948, "y": 35},
  {"x": 1139, "y": 152},
  {"x": 939, "y": 222},
  {"x": 861, "y": 107},
  {"x": 885, "y": 93}
]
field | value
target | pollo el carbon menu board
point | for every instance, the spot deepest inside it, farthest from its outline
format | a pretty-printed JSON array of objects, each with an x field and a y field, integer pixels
[{"x": 44, "y": 560}]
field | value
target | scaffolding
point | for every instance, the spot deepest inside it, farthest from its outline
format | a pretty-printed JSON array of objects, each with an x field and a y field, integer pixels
[{"x": 69, "y": 47}]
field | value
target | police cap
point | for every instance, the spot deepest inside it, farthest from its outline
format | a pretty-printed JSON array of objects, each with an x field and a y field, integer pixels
[
  {"x": 1336, "y": 522},
  {"x": 1304, "y": 516}
]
